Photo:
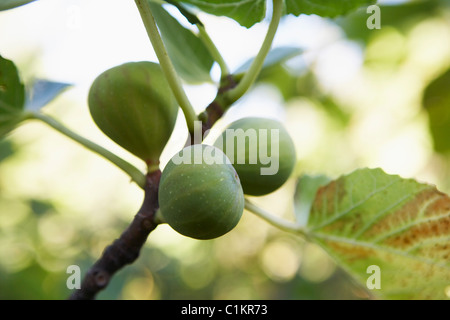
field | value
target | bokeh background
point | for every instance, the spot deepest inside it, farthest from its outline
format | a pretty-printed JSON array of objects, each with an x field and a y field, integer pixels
[{"x": 353, "y": 99}]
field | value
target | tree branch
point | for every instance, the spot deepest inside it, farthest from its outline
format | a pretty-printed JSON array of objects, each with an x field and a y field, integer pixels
[
  {"x": 216, "y": 109},
  {"x": 257, "y": 64},
  {"x": 135, "y": 174},
  {"x": 277, "y": 222},
  {"x": 126, "y": 249}
]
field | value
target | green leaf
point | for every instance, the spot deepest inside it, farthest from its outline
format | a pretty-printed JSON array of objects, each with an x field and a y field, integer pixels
[
  {"x": 274, "y": 57},
  {"x": 274, "y": 72},
  {"x": 245, "y": 12},
  {"x": 305, "y": 192},
  {"x": 398, "y": 15},
  {"x": 191, "y": 17},
  {"x": 12, "y": 96},
  {"x": 6, "y": 149},
  {"x": 12, "y": 91},
  {"x": 436, "y": 101},
  {"x": 281, "y": 78},
  {"x": 8, "y": 124},
  {"x": 189, "y": 55},
  {"x": 371, "y": 218},
  {"x": 9, "y": 4},
  {"x": 325, "y": 8}
]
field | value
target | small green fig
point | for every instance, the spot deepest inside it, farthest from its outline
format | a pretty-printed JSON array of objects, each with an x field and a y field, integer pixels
[
  {"x": 200, "y": 195},
  {"x": 261, "y": 151},
  {"x": 133, "y": 105}
]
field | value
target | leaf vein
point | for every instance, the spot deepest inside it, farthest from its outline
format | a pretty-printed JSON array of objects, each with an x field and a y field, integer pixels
[
  {"x": 337, "y": 216},
  {"x": 372, "y": 246},
  {"x": 413, "y": 223}
]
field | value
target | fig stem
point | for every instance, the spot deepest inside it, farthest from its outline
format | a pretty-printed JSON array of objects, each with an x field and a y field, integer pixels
[
  {"x": 257, "y": 64},
  {"x": 204, "y": 36},
  {"x": 166, "y": 64},
  {"x": 277, "y": 222},
  {"x": 158, "y": 217},
  {"x": 135, "y": 174}
]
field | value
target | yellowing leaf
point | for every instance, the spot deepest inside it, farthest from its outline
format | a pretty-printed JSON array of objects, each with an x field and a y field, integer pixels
[{"x": 400, "y": 226}]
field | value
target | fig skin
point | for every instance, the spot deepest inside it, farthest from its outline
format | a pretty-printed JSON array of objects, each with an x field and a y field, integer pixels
[
  {"x": 133, "y": 105},
  {"x": 201, "y": 199},
  {"x": 253, "y": 182}
]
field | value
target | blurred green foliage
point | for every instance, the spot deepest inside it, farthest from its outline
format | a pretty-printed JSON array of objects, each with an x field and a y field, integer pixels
[
  {"x": 60, "y": 218},
  {"x": 436, "y": 101}
]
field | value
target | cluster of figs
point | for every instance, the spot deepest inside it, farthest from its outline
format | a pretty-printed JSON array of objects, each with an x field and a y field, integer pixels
[{"x": 201, "y": 197}]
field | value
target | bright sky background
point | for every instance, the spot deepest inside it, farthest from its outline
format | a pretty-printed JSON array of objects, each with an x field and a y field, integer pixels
[{"x": 75, "y": 40}]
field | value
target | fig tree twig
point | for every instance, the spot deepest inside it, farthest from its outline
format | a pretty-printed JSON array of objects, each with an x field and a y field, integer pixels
[
  {"x": 135, "y": 174},
  {"x": 126, "y": 249},
  {"x": 216, "y": 109},
  {"x": 204, "y": 36},
  {"x": 257, "y": 64},
  {"x": 232, "y": 88},
  {"x": 277, "y": 222}
]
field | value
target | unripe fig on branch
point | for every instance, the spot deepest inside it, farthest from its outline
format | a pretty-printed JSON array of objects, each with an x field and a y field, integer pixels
[
  {"x": 262, "y": 152},
  {"x": 133, "y": 105},
  {"x": 200, "y": 195}
]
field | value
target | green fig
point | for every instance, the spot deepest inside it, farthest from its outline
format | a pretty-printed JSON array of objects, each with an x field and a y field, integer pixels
[
  {"x": 133, "y": 105},
  {"x": 200, "y": 195},
  {"x": 261, "y": 151}
]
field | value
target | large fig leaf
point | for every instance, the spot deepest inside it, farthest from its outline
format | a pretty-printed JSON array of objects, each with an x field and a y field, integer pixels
[
  {"x": 325, "y": 8},
  {"x": 247, "y": 13},
  {"x": 402, "y": 227}
]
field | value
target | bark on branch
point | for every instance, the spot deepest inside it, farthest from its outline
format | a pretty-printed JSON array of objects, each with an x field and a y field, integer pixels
[
  {"x": 124, "y": 250},
  {"x": 216, "y": 109}
]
